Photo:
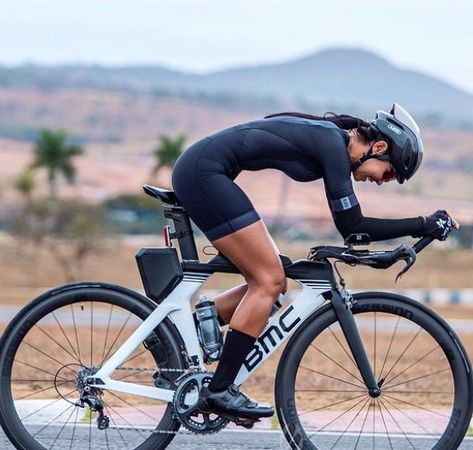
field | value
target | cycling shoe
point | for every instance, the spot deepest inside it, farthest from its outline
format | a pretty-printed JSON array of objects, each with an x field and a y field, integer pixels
[{"x": 232, "y": 404}]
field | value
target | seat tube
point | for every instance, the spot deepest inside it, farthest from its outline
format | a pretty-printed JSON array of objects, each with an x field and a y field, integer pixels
[{"x": 353, "y": 338}]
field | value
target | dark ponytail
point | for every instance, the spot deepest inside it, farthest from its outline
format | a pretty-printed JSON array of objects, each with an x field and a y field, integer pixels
[{"x": 367, "y": 132}]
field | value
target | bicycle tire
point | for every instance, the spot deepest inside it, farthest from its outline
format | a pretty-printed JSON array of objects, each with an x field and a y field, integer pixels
[
  {"x": 51, "y": 305},
  {"x": 316, "y": 428}
]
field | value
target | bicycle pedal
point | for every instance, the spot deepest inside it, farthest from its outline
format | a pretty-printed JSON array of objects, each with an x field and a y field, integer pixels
[{"x": 244, "y": 422}]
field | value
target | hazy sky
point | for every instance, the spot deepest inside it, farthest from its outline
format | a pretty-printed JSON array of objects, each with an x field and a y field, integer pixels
[{"x": 433, "y": 36}]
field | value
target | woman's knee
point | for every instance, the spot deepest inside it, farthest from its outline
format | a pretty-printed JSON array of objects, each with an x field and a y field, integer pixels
[{"x": 272, "y": 283}]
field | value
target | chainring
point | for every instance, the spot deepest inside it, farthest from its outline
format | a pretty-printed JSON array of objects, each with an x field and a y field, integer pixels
[{"x": 185, "y": 400}]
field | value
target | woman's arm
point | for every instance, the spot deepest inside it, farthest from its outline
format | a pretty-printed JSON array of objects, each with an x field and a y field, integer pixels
[{"x": 351, "y": 220}]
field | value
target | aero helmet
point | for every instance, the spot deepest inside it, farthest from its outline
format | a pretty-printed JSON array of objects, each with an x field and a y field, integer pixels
[{"x": 403, "y": 136}]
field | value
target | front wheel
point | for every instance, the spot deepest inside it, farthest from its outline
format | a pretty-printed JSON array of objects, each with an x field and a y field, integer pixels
[
  {"x": 58, "y": 340},
  {"x": 422, "y": 369}
]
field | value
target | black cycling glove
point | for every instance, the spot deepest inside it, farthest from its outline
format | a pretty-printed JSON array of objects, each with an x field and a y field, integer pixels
[{"x": 438, "y": 225}]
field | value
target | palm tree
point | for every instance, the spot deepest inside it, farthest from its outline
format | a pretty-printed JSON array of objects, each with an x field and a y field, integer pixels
[
  {"x": 167, "y": 152},
  {"x": 54, "y": 154}
]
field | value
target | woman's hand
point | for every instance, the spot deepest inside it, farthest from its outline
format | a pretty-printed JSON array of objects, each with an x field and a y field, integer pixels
[{"x": 439, "y": 225}]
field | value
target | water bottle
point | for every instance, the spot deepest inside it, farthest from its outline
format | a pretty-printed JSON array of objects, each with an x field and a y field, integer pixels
[{"x": 208, "y": 329}]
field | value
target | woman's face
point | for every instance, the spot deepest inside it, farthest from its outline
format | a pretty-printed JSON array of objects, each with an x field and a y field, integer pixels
[{"x": 374, "y": 170}]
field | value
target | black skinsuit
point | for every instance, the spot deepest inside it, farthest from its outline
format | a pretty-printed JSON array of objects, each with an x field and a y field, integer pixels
[{"x": 304, "y": 149}]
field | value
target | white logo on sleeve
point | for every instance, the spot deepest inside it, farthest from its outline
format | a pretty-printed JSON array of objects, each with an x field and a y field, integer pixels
[{"x": 441, "y": 223}]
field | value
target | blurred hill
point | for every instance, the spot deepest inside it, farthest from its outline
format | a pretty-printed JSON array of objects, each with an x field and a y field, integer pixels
[
  {"x": 118, "y": 113},
  {"x": 354, "y": 80}
]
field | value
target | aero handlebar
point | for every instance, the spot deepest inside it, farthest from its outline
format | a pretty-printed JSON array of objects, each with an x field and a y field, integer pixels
[{"x": 376, "y": 259}]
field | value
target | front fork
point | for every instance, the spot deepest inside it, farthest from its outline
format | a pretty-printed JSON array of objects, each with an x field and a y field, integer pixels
[{"x": 342, "y": 302}]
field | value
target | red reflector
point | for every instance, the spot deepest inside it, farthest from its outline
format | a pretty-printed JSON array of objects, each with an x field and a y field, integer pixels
[{"x": 167, "y": 236}]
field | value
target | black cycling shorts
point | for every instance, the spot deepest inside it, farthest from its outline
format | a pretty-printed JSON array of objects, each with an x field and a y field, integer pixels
[{"x": 205, "y": 187}]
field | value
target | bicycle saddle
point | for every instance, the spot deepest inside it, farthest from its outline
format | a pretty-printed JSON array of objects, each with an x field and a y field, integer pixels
[{"x": 165, "y": 195}]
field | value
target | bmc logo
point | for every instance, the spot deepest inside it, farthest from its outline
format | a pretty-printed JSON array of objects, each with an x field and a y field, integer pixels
[{"x": 269, "y": 339}]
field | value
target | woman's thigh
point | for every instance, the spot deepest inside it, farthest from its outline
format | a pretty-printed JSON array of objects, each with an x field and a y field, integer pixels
[{"x": 254, "y": 252}]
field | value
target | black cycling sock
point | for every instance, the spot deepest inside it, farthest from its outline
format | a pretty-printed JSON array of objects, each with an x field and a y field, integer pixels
[{"x": 236, "y": 348}]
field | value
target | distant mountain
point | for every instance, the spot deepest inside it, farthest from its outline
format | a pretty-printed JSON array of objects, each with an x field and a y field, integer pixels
[{"x": 348, "y": 80}]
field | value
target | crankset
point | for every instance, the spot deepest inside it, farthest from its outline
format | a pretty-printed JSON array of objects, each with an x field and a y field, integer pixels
[{"x": 186, "y": 409}]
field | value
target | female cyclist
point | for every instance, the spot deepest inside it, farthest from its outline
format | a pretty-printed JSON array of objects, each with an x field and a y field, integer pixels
[{"x": 306, "y": 148}]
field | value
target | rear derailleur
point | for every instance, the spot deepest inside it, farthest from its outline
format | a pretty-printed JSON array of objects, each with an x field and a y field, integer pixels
[{"x": 95, "y": 405}]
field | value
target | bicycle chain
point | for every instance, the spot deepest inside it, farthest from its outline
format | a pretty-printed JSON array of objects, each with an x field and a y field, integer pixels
[{"x": 151, "y": 369}]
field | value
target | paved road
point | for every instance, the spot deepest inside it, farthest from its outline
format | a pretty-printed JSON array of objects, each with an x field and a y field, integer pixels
[{"x": 257, "y": 440}]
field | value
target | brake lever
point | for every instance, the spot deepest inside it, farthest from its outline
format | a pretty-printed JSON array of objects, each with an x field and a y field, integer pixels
[{"x": 409, "y": 256}]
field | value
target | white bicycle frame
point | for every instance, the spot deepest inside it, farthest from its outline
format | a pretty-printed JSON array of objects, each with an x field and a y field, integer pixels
[{"x": 178, "y": 307}]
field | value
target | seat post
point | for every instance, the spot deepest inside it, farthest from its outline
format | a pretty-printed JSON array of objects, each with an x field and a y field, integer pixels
[{"x": 183, "y": 230}]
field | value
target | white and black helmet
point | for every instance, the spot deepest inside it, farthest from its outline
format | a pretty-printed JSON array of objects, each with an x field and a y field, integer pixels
[{"x": 403, "y": 136}]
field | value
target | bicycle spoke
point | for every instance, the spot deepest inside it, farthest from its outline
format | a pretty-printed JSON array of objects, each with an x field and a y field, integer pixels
[
  {"x": 106, "y": 333},
  {"x": 75, "y": 331},
  {"x": 327, "y": 390},
  {"x": 43, "y": 353},
  {"x": 67, "y": 338},
  {"x": 343, "y": 348},
  {"x": 41, "y": 390},
  {"x": 341, "y": 415},
  {"x": 62, "y": 428},
  {"x": 397, "y": 423},
  {"x": 332, "y": 404},
  {"x": 41, "y": 370},
  {"x": 91, "y": 334},
  {"x": 336, "y": 363},
  {"x": 416, "y": 406},
  {"x": 384, "y": 422},
  {"x": 53, "y": 420},
  {"x": 47, "y": 406},
  {"x": 133, "y": 406},
  {"x": 363, "y": 426},
  {"x": 389, "y": 347},
  {"x": 408, "y": 416},
  {"x": 386, "y": 388},
  {"x": 329, "y": 376},
  {"x": 58, "y": 343},
  {"x": 126, "y": 421},
  {"x": 404, "y": 352},
  {"x": 348, "y": 427},
  {"x": 74, "y": 429},
  {"x": 116, "y": 427},
  {"x": 374, "y": 345},
  {"x": 134, "y": 357},
  {"x": 116, "y": 338},
  {"x": 412, "y": 365}
]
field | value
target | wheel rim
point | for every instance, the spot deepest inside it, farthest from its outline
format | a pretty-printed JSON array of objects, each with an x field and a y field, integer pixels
[
  {"x": 418, "y": 387},
  {"x": 51, "y": 362}
]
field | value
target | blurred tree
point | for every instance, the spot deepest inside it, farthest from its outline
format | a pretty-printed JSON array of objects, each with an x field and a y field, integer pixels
[
  {"x": 25, "y": 184},
  {"x": 167, "y": 152},
  {"x": 70, "y": 229},
  {"x": 53, "y": 153}
]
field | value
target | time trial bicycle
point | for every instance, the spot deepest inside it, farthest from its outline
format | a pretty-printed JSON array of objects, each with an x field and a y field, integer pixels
[{"x": 99, "y": 366}]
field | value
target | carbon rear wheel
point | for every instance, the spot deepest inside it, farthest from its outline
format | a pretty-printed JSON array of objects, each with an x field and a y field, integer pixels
[
  {"x": 62, "y": 337},
  {"x": 423, "y": 369}
]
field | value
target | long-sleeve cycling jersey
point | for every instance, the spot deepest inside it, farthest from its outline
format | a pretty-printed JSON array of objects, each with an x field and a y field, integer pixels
[{"x": 304, "y": 149}]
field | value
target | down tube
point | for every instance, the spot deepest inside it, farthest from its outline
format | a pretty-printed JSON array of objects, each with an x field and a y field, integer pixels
[{"x": 279, "y": 328}]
